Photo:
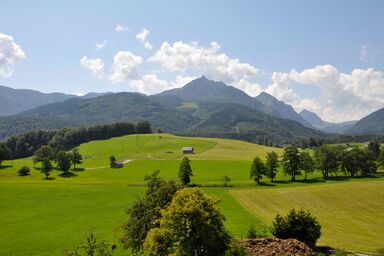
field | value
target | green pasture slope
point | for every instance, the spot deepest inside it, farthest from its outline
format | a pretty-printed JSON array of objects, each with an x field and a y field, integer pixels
[{"x": 43, "y": 217}]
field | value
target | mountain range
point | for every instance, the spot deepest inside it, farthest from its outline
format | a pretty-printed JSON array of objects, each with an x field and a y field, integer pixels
[
  {"x": 201, "y": 108},
  {"x": 324, "y": 126},
  {"x": 13, "y": 101}
]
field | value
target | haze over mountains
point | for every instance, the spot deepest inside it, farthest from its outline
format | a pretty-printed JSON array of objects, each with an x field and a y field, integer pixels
[
  {"x": 202, "y": 108},
  {"x": 13, "y": 101}
]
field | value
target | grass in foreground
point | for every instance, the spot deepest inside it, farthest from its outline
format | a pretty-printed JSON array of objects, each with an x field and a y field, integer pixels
[{"x": 351, "y": 214}]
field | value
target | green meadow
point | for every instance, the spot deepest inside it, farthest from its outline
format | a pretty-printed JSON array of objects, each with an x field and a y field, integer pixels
[{"x": 43, "y": 217}]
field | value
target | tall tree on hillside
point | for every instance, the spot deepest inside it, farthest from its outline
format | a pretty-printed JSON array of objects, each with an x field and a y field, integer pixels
[
  {"x": 326, "y": 159},
  {"x": 63, "y": 160},
  {"x": 46, "y": 167},
  {"x": 291, "y": 162},
  {"x": 76, "y": 157},
  {"x": 4, "y": 153},
  {"x": 271, "y": 165},
  {"x": 374, "y": 148},
  {"x": 307, "y": 164},
  {"x": 185, "y": 171},
  {"x": 44, "y": 152},
  {"x": 143, "y": 127},
  {"x": 257, "y": 170}
]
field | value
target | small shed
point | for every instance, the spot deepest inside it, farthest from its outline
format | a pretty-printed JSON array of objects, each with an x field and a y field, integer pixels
[
  {"x": 116, "y": 164},
  {"x": 187, "y": 150}
]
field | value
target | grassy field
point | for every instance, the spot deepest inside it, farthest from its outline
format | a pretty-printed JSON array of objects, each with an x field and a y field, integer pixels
[
  {"x": 351, "y": 214},
  {"x": 43, "y": 217}
]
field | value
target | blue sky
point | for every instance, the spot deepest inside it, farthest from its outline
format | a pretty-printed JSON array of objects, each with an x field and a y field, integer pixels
[{"x": 326, "y": 56}]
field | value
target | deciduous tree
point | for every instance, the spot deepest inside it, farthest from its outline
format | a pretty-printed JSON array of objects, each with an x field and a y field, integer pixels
[
  {"x": 257, "y": 170},
  {"x": 192, "y": 225},
  {"x": 185, "y": 171},
  {"x": 271, "y": 164},
  {"x": 291, "y": 162}
]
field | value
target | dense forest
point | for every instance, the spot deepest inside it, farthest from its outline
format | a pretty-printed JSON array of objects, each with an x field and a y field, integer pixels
[{"x": 63, "y": 139}]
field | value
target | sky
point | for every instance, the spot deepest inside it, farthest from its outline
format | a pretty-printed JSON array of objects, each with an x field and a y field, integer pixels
[{"x": 325, "y": 56}]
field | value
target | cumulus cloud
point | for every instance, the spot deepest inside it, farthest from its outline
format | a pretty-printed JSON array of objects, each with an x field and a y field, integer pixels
[
  {"x": 142, "y": 37},
  {"x": 151, "y": 84},
  {"x": 343, "y": 96},
  {"x": 248, "y": 87},
  {"x": 96, "y": 66},
  {"x": 100, "y": 46},
  {"x": 120, "y": 28},
  {"x": 183, "y": 57},
  {"x": 124, "y": 67},
  {"x": 10, "y": 54}
]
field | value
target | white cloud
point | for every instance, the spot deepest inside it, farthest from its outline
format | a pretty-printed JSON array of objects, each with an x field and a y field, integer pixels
[
  {"x": 120, "y": 28},
  {"x": 124, "y": 67},
  {"x": 183, "y": 58},
  {"x": 96, "y": 66},
  {"x": 100, "y": 46},
  {"x": 10, "y": 54},
  {"x": 343, "y": 96},
  {"x": 248, "y": 87},
  {"x": 151, "y": 84},
  {"x": 142, "y": 37}
]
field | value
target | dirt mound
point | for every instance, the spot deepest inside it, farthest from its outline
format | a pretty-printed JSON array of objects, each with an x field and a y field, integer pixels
[{"x": 274, "y": 246}]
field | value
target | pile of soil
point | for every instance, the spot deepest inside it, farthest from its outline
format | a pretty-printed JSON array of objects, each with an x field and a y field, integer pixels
[{"x": 272, "y": 246}]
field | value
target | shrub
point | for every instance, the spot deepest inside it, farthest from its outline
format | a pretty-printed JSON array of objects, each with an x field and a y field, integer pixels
[
  {"x": 235, "y": 250},
  {"x": 301, "y": 225},
  {"x": 92, "y": 247},
  {"x": 191, "y": 225},
  {"x": 252, "y": 233},
  {"x": 226, "y": 181},
  {"x": 23, "y": 171},
  {"x": 145, "y": 212}
]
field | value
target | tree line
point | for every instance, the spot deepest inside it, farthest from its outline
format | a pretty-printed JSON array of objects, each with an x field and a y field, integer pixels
[
  {"x": 330, "y": 160},
  {"x": 64, "y": 139}
]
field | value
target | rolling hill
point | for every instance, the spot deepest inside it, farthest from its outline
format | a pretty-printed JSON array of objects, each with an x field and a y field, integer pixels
[{"x": 324, "y": 126}]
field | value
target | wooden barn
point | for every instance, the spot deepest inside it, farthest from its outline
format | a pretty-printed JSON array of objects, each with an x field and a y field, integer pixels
[{"x": 187, "y": 150}]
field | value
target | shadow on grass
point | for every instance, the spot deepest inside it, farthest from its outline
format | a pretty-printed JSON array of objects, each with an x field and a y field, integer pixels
[
  {"x": 282, "y": 181},
  {"x": 311, "y": 181},
  {"x": 265, "y": 184},
  {"x": 78, "y": 169},
  {"x": 5, "y": 166},
  {"x": 68, "y": 175},
  {"x": 48, "y": 178}
]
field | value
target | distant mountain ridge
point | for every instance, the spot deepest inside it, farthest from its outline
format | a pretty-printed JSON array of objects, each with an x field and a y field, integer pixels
[
  {"x": 371, "y": 124},
  {"x": 324, "y": 126},
  {"x": 205, "y": 90},
  {"x": 285, "y": 110},
  {"x": 13, "y": 101},
  {"x": 213, "y": 110}
]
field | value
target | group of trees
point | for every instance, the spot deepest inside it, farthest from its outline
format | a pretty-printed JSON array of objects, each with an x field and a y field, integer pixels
[
  {"x": 174, "y": 220},
  {"x": 64, "y": 139},
  {"x": 330, "y": 160},
  {"x": 46, "y": 155}
]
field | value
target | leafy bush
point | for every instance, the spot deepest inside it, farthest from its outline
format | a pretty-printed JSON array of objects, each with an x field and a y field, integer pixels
[
  {"x": 23, "y": 171},
  {"x": 252, "y": 232},
  {"x": 235, "y": 250},
  {"x": 226, "y": 181},
  {"x": 92, "y": 247},
  {"x": 301, "y": 225},
  {"x": 191, "y": 225},
  {"x": 145, "y": 212}
]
